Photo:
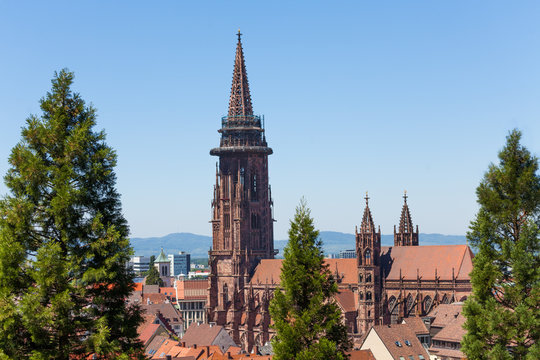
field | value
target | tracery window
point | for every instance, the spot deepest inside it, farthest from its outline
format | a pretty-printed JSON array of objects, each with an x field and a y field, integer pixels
[
  {"x": 360, "y": 278},
  {"x": 427, "y": 304},
  {"x": 367, "y": 257},
  {"x": 410, "y": 303},
  {"x": 368, "y": 296},
  {"x": 368, "y": 278}
]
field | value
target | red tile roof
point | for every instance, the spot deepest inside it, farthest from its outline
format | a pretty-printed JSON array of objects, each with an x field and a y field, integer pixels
[
  {"x": 390, "y": 335},
  {"x": 153, "y": 298},
  {"x": 453, "y": 331},
  {"x": 345, "y": 299},
  {"x": 192, "y": 289},
  {"x": 361, "y": 355},
  {"x": 164, "y": 349},
  {"x": 417, "y": 325},
  {"x": 407, "y": 260},
  {"x": 394, "y": 260},
  {"x": 269, "y": 270},
  {"x": 147, "y": 331},
  {"x": 444, "y": 314},
  {"x": 138, "y": 287},
  {"x": 200, "y": 335}
]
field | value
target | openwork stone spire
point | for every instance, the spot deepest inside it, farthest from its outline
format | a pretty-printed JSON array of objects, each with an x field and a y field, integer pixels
[
  {"x": 406, "y": 236},
  {"x": 405, "y": 222},
  {"x": 240, "y": 101},
  {"x": 367, "y": 225}
]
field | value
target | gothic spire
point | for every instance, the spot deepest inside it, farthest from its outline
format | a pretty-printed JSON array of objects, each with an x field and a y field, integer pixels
[
  {"x": 367, "y": 221},
  {"x": 405, "y": 222},
  {"x": 240, "y": 101}
]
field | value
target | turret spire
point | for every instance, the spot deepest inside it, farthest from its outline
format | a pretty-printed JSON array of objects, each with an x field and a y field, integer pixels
[
  {"x": 240, "y": 101},
  {"x": 405, "y": 236},
  {"x": 367, "y": 221},
  {"x": 405, "y": 222}
]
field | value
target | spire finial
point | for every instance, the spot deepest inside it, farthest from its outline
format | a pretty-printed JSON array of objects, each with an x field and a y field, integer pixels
[
  {"x": 367, "y": 199},
  {"x": 239, "y": 34},
  {"x": 405, "y": 196}
]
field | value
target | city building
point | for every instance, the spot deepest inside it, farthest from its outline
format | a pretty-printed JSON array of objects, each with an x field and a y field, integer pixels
[
  {"x": 378, "y": 286},
  {"x": 446, "y": 328},
  {"x": 394, "y": 342},
  {"x": 139, "y": 264},
  {"x": 347, "y": 254},
  {"x": 180, "y": 263},
  {"x": 191, "y": 297}
]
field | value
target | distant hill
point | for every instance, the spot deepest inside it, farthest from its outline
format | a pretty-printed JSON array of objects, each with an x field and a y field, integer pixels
[{"x": 333, "y": 243}]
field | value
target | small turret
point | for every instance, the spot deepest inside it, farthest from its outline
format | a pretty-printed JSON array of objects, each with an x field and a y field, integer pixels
[{"x": 406, "y": 236}]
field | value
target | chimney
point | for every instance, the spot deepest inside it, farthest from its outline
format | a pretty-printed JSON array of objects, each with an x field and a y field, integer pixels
[
  {"x": 183, "y": 344},
  {"x": 168, "y": 357},
  {"x": 208, "y": 350},
  {"x": 229, "y": 355},
  {"x": 194, "y": 346}
]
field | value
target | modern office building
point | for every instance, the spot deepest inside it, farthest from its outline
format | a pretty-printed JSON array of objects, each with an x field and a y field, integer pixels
[
  {"x": 180, "y": 263},
  {"x": 139, "y": 264}
]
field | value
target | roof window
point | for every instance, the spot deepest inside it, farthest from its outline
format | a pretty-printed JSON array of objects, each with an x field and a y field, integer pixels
[
  {"x": 421, "y": 357},
  {"x": 408, "y": 343},
  {"x": 398, "y": 344}
]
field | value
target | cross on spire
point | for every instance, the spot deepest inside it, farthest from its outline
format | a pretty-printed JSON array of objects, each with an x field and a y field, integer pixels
[
  {"x": 405, "y": 196},
  {"x": 367, "y": 198}
]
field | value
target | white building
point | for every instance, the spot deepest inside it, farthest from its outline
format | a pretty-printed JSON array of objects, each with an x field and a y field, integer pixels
[{"x": 139, "y": 264}]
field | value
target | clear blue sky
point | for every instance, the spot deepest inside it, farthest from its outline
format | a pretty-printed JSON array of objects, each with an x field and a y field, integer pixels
[{"x": 378, "y": 96}]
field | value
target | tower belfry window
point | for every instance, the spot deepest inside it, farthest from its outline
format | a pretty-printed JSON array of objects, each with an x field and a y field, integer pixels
[{"x": 367, "y": 257}]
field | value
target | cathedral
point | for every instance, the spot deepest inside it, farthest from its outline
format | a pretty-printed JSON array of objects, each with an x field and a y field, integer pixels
[{"x": 382, "y": 285}]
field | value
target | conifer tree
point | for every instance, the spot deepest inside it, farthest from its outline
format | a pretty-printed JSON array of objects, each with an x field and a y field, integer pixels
[
  {"x": 503, "y": 313},
  {"x": 63, "y": 240},
  {"x": 306, "y": 318},
  {"x": 152, "y": 277}
]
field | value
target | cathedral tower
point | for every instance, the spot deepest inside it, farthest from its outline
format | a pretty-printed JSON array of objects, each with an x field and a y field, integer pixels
[
  {"x": 242, "y": 222},
  {"x": 406, "y": 235},
  {"x": 368, "y": 249}
]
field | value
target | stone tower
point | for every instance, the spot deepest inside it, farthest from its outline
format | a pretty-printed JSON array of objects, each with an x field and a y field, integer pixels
[
  {"x": 368, "y": 249},
  {"x": 242, "y": 221},
  {"x": 406, "y": 235}
]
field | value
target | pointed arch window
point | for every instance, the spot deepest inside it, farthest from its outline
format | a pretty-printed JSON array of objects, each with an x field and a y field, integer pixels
[
  {"x": 225, "y": 294},
  {"x": 394, "y": 310},
  {"x": 410, "y": 302},
  {"x": 360, "y": 278},
  {"x": 445, "y": 300},
  {"x": 427, "y": 304},
  {"x": 367, "y": 257},
  {"x": 368, "y": 296},
  {"x": 368, "y": 278}
]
